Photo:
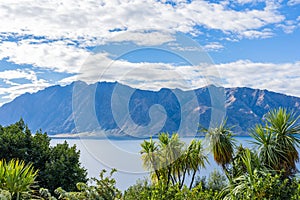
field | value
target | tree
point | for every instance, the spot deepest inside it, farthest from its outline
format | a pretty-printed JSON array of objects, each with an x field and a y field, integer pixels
[
  {"x": 16, "y": 141},
  {"x": 172, "y": 160},
  {"x": 170, "y": 150},
  {"x": 39, "y": 152},
  {"x": 277, "y": 141},
  {"x": 195, "y": 159},
  {"x": 63, "y": 168},
  {"x": 221, "y": 144},
  {"x": 150, "y": 157}
]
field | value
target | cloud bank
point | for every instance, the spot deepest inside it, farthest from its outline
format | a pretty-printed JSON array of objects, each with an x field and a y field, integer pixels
[{"x": 58, "y": 37}]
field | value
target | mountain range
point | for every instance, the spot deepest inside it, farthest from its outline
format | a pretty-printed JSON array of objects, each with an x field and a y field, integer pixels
[{"x": 118, "y": 110}]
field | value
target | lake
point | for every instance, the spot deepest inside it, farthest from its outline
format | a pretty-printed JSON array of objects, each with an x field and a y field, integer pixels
[{"x": 98, "y": 154}]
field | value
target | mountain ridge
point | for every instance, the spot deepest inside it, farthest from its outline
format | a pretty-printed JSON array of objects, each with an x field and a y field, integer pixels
[{"x": 52, "y": 111}]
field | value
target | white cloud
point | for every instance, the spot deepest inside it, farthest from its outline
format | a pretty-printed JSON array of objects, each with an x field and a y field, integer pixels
[
  {"x": 293, "y": 2},
  {"x": 57, "y": 56},
  {"x": 247, "y": 1},
  {"x": 153, "y": 76},
  {"x": 9, "y": 75},
  {"x": 266, "y": 33},
  {"x": 213, "y": 46},
  {"x": 289, "y": 26},
  {"x": 14, "y": 89},
  {"x": 216, "y": 16},
  {"x": 144, "y": 38},
  {"x": 282, "y": 78},
  {"x": 143, "y": 75},
  {"x": 54, "y": 34},
  {"x": 90, "y": 22},
  {"x": 10, "y": 93}
]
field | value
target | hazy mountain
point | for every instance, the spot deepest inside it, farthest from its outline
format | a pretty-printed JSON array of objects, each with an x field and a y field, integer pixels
[{"x": 103, "y": 107}]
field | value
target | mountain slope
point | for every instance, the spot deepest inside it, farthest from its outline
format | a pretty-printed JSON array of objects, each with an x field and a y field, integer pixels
[{"x": 51, "y": 109}]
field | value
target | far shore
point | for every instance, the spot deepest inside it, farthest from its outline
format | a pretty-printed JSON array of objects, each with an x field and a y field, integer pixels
[{"x": 92, "y": 136}]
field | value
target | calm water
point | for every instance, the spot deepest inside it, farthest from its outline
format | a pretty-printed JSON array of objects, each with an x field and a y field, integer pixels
[{"x": 123, "y": 155}]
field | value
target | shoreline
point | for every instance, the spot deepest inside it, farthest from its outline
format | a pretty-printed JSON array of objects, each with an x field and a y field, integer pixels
[{"x": 76, "y": 137}]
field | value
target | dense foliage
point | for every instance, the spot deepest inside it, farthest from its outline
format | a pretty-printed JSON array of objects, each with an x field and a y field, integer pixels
[
  {"x": 57, "y": 166},
  {"x": 268, "y": 171}
]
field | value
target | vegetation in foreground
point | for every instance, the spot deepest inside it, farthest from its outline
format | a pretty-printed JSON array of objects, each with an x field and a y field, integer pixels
[{"x": 268, "y": 171}]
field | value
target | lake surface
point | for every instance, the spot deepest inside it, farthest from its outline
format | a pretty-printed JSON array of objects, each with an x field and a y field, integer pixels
[{"x": 98, "y": 154}]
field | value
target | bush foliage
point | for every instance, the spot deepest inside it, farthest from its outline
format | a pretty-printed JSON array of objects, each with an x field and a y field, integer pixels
[{"x": 57, "y": 166}]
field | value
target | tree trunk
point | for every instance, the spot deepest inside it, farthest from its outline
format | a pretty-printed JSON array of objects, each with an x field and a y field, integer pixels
[
  {"x": 169, "y": 176},
  {"x": 183, "y": 178},
  {"x": 227, "y": 173},
  {"x": 155, "y": 169},
  {"x": 193, "y": 178},
  {"x": 179, "y": 176}
]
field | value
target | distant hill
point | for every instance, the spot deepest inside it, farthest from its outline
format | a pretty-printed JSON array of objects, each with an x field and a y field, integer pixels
[{"x": 51, "y": 109}]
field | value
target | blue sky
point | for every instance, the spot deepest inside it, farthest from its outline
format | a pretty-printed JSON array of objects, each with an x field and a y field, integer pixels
[{"x": 241, "y": 43}]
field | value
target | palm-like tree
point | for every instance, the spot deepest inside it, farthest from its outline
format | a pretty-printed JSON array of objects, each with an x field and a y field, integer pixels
[
  {"x": 17, "y": 178},
  {"x": 221, "y": 144},
  {"x": 277, "y": 141},
  {"x": 195, "y": 158},
  {"x": 150, "y": 157},
  {"x": 284, "y": 125},
  {"x": 266, "y": 147},
  {"x": 172, "y": 160},
  {"x": 171, "y": 149}
]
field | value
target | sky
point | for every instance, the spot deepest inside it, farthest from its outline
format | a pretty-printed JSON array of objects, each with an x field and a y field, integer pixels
[{"x": 149, "y": 44}]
